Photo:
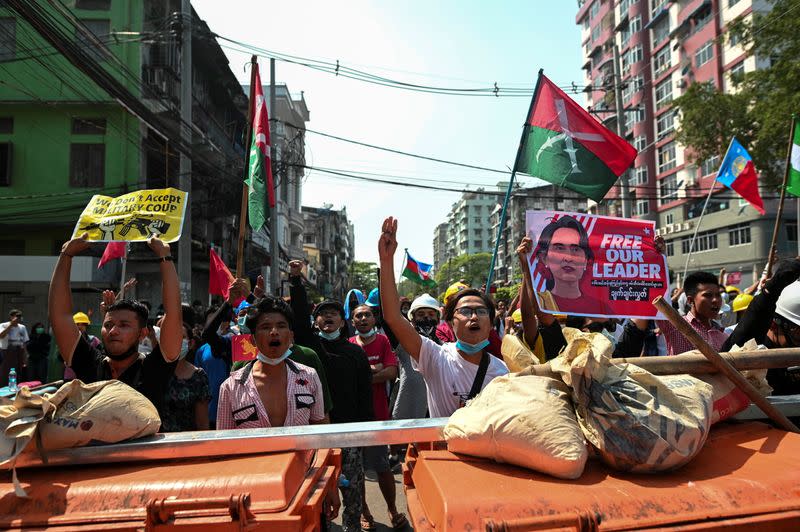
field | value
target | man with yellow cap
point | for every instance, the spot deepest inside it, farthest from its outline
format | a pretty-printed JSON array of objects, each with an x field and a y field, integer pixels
[
  {"x": 444, "y": 331},
  {"x": 82, "y": 321}
]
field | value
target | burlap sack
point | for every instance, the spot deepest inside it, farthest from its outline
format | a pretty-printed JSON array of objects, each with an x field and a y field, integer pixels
[
  {"x": 526, "y": 421},
  {"x": 104, "y": 412},
  {"x": 637, "y": 422},
  {"x": 516, "y": 355}
]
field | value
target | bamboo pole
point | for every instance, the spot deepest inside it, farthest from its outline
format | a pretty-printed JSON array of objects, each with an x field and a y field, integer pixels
[
  {"x": 698, "y": 364},
  {"x": 774, "y": 246},
  {"x": 245, "y": 188},
  {"x": 723, "y": 365}
]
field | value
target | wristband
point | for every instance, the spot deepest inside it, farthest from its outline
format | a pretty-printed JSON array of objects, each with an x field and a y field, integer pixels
[{"x": 167, "y": 258}]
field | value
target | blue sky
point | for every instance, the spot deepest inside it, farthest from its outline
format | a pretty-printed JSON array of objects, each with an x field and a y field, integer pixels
[{"x": 463, "y": 44}]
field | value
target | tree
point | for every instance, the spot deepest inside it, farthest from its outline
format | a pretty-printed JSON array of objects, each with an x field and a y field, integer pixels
[
  {"x": 472, "y": 269},
  {"x": 364, "y": 276},
  {"x": 759, "y": 113}
]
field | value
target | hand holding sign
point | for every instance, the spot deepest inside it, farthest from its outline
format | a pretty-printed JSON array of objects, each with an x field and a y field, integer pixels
[{"x": 76, "y": 246}]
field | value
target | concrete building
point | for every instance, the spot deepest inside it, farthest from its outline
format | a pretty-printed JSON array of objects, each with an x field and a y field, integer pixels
[
  {"x": 65, "y": 139},
  {"x": 329, "y": 244},
  {"x": 664, "y": 46},
  {"x": 439, "y": 245},
  {"x": 468, "y": 227},
  {"x": 544, "y": 197}
]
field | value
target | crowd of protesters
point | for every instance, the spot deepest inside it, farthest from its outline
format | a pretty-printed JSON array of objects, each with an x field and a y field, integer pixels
[{"x": 373, "y": 358}]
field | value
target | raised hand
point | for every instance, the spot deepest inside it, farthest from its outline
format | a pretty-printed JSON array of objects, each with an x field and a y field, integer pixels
[
  {"x": 159, "y": 247},
  {"x": 259, "y": 290},
  {"x": 387, "y": 244},
  {"x": 106, "y": 300},
  {"x": 295, "y": 268},
  {"x": 525, "y": 246},
  {"x": 238, "y": 290},
  {"x": 76, "y": 246}
]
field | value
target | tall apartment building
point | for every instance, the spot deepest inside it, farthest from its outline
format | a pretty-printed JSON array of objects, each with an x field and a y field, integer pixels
[
  {"x": 664, "y": 46},
  {"x": 439, "y": 245},
  {"x": 468, "y": 230},
  {"x": 539, "y": 198},
  {"x": 329, "y": 245}
]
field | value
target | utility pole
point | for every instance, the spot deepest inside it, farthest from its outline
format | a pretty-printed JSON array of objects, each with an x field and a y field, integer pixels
[
  {"x": 185, "y": 177},
  {"x": 274, "y": 269},
  {"x": 625, "y": 193}
]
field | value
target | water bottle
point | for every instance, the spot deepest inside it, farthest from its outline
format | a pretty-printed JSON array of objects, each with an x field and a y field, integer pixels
[
  {"x": 343, "y": 482},
  {"x": 12, "y": 380}
]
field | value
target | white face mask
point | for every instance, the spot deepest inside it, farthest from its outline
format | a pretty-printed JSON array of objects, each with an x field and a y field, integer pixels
[
  {"x": 369, "y": 334},
  {"x": 273, "y": 361},
  {"x": 330, "y": 336},
  {"x": 184, "y": 349}
]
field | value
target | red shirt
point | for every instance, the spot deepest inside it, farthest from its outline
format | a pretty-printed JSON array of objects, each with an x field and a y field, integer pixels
[{"x": 379, "y": 351}]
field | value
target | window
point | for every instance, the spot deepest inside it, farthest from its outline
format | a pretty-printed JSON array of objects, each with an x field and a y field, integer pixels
[
  {"x": 631, "y": 87},
  {"x": 701, "y": 19},
  {"x": 709, "y": 166},
  {"x": 594, "y": 9},
  {"x": 640, "y": 142},
  {"x": 669, "y": 219},
  {"x": 585, "y": 23},
  {"x": 476, "y": 243},
  {"x": 634, "y": 55},
  {"x": 636, "y": 24},
  {"x": 732, "y": 3},
  {"x": 6, "y": 149},
  {"x": 309, "y": 238},
  {"x": 101, "y": 29},
  {"x": 639, "y": 175},
  {"x": 704, "y": 54},
  {"x": 670, "y": 248},
  {"x": 633, "y": 116},
  {"x": 93, "y": 5},
  {"x": 657, "y": 5},
  {"x": 88, "y": 126},
  {"x": 642, "y": 207},
  {"x": 664, "y": 93},
  {"x": 8, "y": 38},
  {"x": 791, "y": 231},
  {"x": 706, "y": 241},
  {"x": 6, "y": 125},
  {"x": 666, "y": 157},
  {"x": 660, "y": 31},
  {"x": 737, "y": 73},
  {"x": 739, "y": 234},
  {"x": 634, "y": 27},
  {"x": 668, "y": 189},
  {"x": 595, "y": 33},
  {"x": 665, "y": 124},
  {"x": 87, "y": 165},
  {"x": 734, "y": 38},
  {"x": 662, "y": 61}
]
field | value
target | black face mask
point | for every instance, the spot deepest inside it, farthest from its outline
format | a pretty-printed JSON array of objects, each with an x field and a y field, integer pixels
[
  {"x": 426, "y": 327},
  {"x": 117, "y": 358}
]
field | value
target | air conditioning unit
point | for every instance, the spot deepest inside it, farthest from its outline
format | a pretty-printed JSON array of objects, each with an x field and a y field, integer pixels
[{"x": 682, "y": 84}]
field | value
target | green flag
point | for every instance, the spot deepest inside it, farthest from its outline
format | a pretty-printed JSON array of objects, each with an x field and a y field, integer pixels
[
  {"x": 793, "y": 185},
  {"x": 261, "y": 196}
]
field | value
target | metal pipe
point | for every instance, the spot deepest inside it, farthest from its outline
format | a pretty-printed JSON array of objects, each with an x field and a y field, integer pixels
[{"x": 204, "y": 444}]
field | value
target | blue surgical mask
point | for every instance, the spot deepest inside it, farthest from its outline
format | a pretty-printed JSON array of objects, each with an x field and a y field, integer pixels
[
  {"x": 471, "y": 349},
  {"x": 273, "y": 361},
  {"x": 330, "y": 336},
  {"x": 369, "y": 334},
  {"x": 184, "y": 349},
  {"x": 242, "y": 327}
]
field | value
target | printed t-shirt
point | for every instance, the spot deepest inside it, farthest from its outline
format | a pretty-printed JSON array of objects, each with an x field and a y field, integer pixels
[
  {"x": 240, "y": 405},
  {"x": 449, "y": 377},
  {"x": 379, "y": 351}
]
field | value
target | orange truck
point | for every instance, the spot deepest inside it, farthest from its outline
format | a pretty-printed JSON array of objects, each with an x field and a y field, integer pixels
[{"x": 747, "y": 477}]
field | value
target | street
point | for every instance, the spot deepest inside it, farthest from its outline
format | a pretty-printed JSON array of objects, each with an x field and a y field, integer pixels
[{"x": 378, "y": 506}]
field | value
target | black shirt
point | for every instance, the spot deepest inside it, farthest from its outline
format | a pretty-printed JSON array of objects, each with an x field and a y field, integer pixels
[
  {"x": 346, "y": 365},
  {"x": 149, "y": 374}
]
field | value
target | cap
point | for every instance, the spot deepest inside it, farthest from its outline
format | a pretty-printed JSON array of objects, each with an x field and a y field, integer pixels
[
  {"x": 81, "y": 318},
  {"x": 788, "y": 305},
  {"x": 453, "y": 289},
  {"x": 517, "y": 316},
  {"x": 374, "y": 298},
  {"x": 328, "y": 303},
  {"x": 423, "y": 301},
  {"x": 731, "y": 288},
  {"x": 741, "y": 302},
  {"x": 359, "y": 298}
]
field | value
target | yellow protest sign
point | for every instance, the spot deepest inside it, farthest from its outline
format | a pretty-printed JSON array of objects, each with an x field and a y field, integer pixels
[{"x": 134, "y": 217}]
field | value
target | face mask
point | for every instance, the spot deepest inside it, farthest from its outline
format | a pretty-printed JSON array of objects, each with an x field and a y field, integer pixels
[
  {"x": 242, "y": 327},
  {"x": 426, "y": 326},
  {"x": 39, "y": 330},
  {"x": 145, "y": 349},
  {"x": 184, "y": 349},
  {"x": 471, "y": 349},
  {"x": 126, "y": 354},
  {"x": 369, "y": 334},
  {"x": 330, "y": 336},
  {"x": 273, "y": 361},
  {"x": 610, "y": 337}
]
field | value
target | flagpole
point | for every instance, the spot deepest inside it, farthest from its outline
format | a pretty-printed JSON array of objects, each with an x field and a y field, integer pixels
[
  {"x": 702, "y": 213},
  {"x": 122, "y": 277},
  {"x": 245, "y": 187},
  {"x": 211, "y": 248},
  {"x": 774, "y": 244},
  {"x": 522, "y": 140}
]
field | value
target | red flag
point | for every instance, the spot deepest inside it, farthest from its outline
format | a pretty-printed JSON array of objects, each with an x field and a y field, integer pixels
[
  {"x": 243, "y": 348},
  {"x": 114, "y": 250},
  {"x": 219, "y": 276}
]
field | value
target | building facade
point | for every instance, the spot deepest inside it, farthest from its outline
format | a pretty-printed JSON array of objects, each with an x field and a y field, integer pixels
[
  {"x": 439, "y": 245},
  {"x": 329, "y": 245},
  {"x": 664, "y": 46},
  {"x": 66, "y": 140},
  {"x": 468, "y": 226}
]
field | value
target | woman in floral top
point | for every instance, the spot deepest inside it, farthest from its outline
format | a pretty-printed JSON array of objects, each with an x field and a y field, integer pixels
[{"x": 187, "y": 395}]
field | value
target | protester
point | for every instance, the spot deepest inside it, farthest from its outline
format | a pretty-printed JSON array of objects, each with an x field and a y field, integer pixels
[
  {"x": 453, "y": 372},
  {"x": 444, "y": 331},
  {"x": 13, "y": 337},
  {"x": 124, "y": 326},
  {"x": 773, "y": 320},
  {"x": 271, "y": 391},
  {"x": 383, "y": 364},
  {"x": 405, "y": 306},
  {"x": 411, "y": 401},
  {"x": 188, "y": 395},
  {"x": 38, "y": 352},
  {"x": 500, "y": 318},
  {"x": 349, "y": 378},
  {"x": 739, "y": 306},
  {"x": 82, "y": 321}
]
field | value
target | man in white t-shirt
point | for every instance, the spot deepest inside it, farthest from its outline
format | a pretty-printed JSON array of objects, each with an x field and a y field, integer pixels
[
  {"x": 13, "y": 337},
  {"x": 453, "y": 372}
]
